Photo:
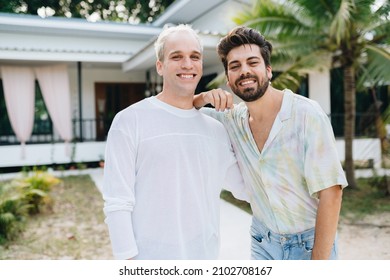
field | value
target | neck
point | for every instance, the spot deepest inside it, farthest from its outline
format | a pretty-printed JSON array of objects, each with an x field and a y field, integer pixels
[
  {"x": 184, "y": 102},
  {"x": 269, "y": 103}
]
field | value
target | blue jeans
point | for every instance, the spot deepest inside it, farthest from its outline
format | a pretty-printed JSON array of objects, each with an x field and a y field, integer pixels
[{"x": 268, "y": 245}]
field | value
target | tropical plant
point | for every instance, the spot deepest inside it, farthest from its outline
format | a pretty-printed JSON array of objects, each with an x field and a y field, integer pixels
[
  {"x": 35, "y": 188},
  {"x": 13, "y": 210},
  {"x": 22, "y": 197},
  {"x": 307, "y": 35}
]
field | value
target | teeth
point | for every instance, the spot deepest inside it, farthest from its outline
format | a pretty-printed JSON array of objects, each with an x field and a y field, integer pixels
[
  {"x": 246, "y": 83},
  {"x": 187, "y": 76}
]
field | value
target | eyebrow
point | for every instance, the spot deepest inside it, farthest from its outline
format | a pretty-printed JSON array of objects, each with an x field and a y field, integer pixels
[
  {"x": 179, "y": 52},
  {"x": 249, "y": 58}
]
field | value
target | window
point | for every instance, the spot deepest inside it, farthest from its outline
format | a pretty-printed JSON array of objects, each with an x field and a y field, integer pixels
[
  {"x": 5, "y": 125},
  {"x": 42, "y": 121}
]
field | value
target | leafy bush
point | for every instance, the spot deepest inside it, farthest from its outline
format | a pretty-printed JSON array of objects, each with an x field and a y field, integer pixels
[
  {"x": 13, "y": 211},
  {"x": 22, "y": 197},
  {"x": 36, "y": 187}
]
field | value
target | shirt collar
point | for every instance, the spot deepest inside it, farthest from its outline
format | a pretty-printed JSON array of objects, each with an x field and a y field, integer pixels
[{"x": 287, "y": 103}]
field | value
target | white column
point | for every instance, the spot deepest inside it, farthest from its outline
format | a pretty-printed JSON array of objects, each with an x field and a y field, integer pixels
[{"x": 319, "y": 89}]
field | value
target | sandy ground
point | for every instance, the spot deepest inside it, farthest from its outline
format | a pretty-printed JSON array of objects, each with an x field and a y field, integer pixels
[{"x": 366, "y": 239}]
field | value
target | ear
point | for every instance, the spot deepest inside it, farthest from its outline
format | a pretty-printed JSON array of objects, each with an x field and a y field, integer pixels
[
  {"x": 159, "y": 67},
  {"x": 228, "y": 84},
  {"x": 227, "y": 81},
  {"x": 269, "y": 72}
]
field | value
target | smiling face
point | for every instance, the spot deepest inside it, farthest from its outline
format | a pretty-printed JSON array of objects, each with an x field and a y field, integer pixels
[
  {"x": 181, "y": 65},
  {"x": 248, "y": 76}
]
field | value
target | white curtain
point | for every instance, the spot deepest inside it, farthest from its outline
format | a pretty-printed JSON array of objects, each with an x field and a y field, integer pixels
[
  {"x": 19, "y": 94},
  {"x": 54, "y": 84}
]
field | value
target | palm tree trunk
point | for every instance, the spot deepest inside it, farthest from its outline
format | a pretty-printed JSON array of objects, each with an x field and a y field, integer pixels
[
  {"x": 381, "y": 134},
  {"x": 379, "y": 124},
  {"x": 349, "y": 123}
]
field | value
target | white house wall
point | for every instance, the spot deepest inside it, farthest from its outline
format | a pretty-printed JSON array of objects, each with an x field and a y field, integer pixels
[
  {"x": 319, "y": 89},
  {"x": 89, "y": 77},
  {"x": 47, "y": 154}
]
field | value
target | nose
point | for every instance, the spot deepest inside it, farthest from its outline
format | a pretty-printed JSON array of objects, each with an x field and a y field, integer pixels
[
  {"x": 244, "y": 70},
  {"x": 187, "y": 63}
]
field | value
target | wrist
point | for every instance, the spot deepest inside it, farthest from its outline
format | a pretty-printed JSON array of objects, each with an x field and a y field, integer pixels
[{"x": 199, "y": 100}]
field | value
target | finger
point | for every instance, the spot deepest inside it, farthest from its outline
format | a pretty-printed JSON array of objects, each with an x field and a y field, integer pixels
[
  {"x": 229, "y": 101},
  {"x": 216, "y": 99},
  {"x": 208, "y": 97},
  {"x": 222, "y": 100}
]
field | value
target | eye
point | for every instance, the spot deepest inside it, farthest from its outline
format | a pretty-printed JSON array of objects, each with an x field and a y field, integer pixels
[
  {"x": 233, "y": 67},
  {"x": 253, "y": 62},
  {"x": 176, "y": 57},
  {"x": 195, "y": 57}
]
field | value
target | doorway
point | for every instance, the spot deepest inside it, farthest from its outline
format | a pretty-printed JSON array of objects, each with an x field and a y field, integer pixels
[{"x": 110, "y": 98}]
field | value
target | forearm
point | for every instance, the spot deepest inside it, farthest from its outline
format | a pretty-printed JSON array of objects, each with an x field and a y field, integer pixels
[{"x": 326, "y": 223}]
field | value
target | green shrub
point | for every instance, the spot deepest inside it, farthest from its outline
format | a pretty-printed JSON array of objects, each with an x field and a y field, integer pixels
[
  {"x": 22, "y": 197},
  {"x": 35, "y": 187},
  {"x": 13, "y": 212}
]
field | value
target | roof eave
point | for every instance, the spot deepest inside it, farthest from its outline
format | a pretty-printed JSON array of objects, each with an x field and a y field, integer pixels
[{"x": 29, "y": 23}]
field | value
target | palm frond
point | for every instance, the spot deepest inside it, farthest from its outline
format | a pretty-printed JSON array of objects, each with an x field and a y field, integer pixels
[
  {"x": 340, "y": 28},
  {"x": 376, "y": 69},
  {"x": 273, "y": 19},
  {"x": 288, "y": 79}
]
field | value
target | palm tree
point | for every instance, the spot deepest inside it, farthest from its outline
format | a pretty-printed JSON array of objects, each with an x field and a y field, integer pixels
[{"x": 353, "y": 35}]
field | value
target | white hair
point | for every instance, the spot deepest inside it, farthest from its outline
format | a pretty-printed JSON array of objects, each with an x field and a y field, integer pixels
[{"x": 168, "y": 30}]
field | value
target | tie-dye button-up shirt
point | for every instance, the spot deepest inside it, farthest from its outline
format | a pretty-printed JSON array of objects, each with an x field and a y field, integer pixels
[{"x": 298, "y": 160}]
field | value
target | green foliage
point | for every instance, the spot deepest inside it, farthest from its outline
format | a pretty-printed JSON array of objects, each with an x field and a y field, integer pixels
[
  {"x": 369, "y": 198},
  {"x": 112, "y": 10},
  {"x": 311, "y": 35},
  {"x": 36, "y": 187},
  {"x": 13, "y": 211},
  {"x": 22, "y": 197},
  {"x": 228, "y": 196}
]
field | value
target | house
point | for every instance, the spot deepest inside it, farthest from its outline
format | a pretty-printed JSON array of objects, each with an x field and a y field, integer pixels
[{"x": 82, "y": 73}]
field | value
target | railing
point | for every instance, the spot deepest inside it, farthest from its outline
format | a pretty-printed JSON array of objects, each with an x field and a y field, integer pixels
[
  {"x": 44, "y": 132},
  {"x": 96, "y": 130}
]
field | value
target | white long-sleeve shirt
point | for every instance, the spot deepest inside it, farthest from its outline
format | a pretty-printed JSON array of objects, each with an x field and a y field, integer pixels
[{"x": 164, "y": 170}]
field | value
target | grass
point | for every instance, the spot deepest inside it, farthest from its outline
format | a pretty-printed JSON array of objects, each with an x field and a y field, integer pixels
[
  {"x": 228, "y": 196},
  {"x": 369, "y": 198},
  {"x": 73, "y": 228}
]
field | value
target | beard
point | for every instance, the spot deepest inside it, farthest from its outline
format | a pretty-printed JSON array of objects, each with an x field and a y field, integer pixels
[{"x": 251, "y": 93}]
